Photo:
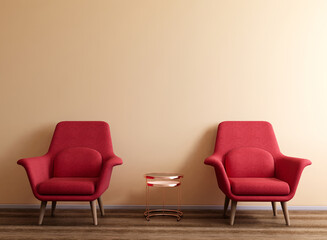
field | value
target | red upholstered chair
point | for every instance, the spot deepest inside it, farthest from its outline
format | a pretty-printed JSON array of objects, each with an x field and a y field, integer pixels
[
  {"x": 250, "y": 167},
  {"x": 77, "y": 166}
]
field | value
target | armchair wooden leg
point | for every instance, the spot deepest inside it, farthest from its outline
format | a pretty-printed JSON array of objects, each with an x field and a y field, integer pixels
[
  {"x": 285, "y": 211},
  {"x": 233, "y": 211},
  {"x": 227, "y": 200},
  {"x": 101, "y": 206},
  {"x": 53, "y": 208},
  {"x": 274, "y": 208},
  {"x": 94, "y": 212},
  {"x": 42, "y": 211}
]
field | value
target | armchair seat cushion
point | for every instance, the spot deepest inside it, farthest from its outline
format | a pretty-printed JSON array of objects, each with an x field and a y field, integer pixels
[
  {"x": 68, "y": 186},
  {"x": 259, "y": 187}
]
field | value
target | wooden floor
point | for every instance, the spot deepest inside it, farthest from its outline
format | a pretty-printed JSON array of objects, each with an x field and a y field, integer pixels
[{"x": 130, "y": 224}]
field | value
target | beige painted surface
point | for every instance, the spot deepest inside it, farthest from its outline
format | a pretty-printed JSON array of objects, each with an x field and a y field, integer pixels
[{"x": 163, "y": 74}]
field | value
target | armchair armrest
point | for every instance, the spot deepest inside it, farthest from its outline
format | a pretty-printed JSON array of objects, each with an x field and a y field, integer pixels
[
  {"x": 212, "y": 160},
  {"x": 37, "y": 169},
  {"x": 289, "y": 169},
  {"x": 105, "y": 173},
  {"x": 222, "y": 178},
  {"x": 113, "y": 161}
]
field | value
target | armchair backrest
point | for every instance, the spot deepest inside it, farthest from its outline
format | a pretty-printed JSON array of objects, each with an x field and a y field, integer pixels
[
  {"x": 77, "y": 162},
  {"x": 78, "y": 148},
  {"x": 249, "y": 162},
  {"x": 253, "y": 134},
  {"x": 89, "y": 134}
]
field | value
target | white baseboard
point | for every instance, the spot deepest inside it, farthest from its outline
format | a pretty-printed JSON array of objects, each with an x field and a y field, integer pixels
[{"x": 185, "y": 207}]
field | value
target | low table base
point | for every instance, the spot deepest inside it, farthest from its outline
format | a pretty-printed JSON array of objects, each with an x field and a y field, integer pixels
[{"x": 163, "y": 212}]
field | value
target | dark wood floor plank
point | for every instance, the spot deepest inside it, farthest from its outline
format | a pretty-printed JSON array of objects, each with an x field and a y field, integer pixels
[{"x": 130, "y": 224}]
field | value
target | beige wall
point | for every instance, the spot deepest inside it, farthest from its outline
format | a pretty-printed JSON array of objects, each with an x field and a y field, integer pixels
[{"x": 163, "y": 74}]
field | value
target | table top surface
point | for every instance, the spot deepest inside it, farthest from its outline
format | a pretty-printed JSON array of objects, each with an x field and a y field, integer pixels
[
  {"x": 163, "y": 176},
  {"x": 163, "y": 183}
]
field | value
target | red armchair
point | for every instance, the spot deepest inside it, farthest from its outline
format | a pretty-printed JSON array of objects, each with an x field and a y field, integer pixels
[
  {"x": 77, "y": 167},
  {"x": 250, "y": 167}
]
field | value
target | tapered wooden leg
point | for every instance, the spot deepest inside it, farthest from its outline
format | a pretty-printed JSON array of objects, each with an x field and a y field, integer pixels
[
  {"x": 285, "y": 211},
  {"x": 233, "y": 211},
  {"x": 94, "y": 212},
  {"x": 42, "y": 211},
  {"x": 273, "y": 204},
  {"x": 53, "y": 208},
  {"x": 101, "y": 206},
  {"x": 227, "y": 200}
]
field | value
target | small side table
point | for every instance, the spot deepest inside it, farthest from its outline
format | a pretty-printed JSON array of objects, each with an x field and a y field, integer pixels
[{"x": 163, "y": 180}]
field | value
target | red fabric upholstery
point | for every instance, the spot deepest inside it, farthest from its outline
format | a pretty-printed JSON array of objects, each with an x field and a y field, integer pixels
[
  {"x": 249, "y": 162},
  {"x": 78, "y": 149},
  {"x": 77, "y": 162},
  {"x": 259, "y": 186},
  {"x": 237, "y": 134},
  {"x": 232, "y": 138},
  {"x": 94, "y": 135},
  {"x": 68, "y": 186}
]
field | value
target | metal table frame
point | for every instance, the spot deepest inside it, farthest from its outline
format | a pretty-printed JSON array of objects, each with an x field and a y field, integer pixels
[{"x": 163, "y": 180}]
